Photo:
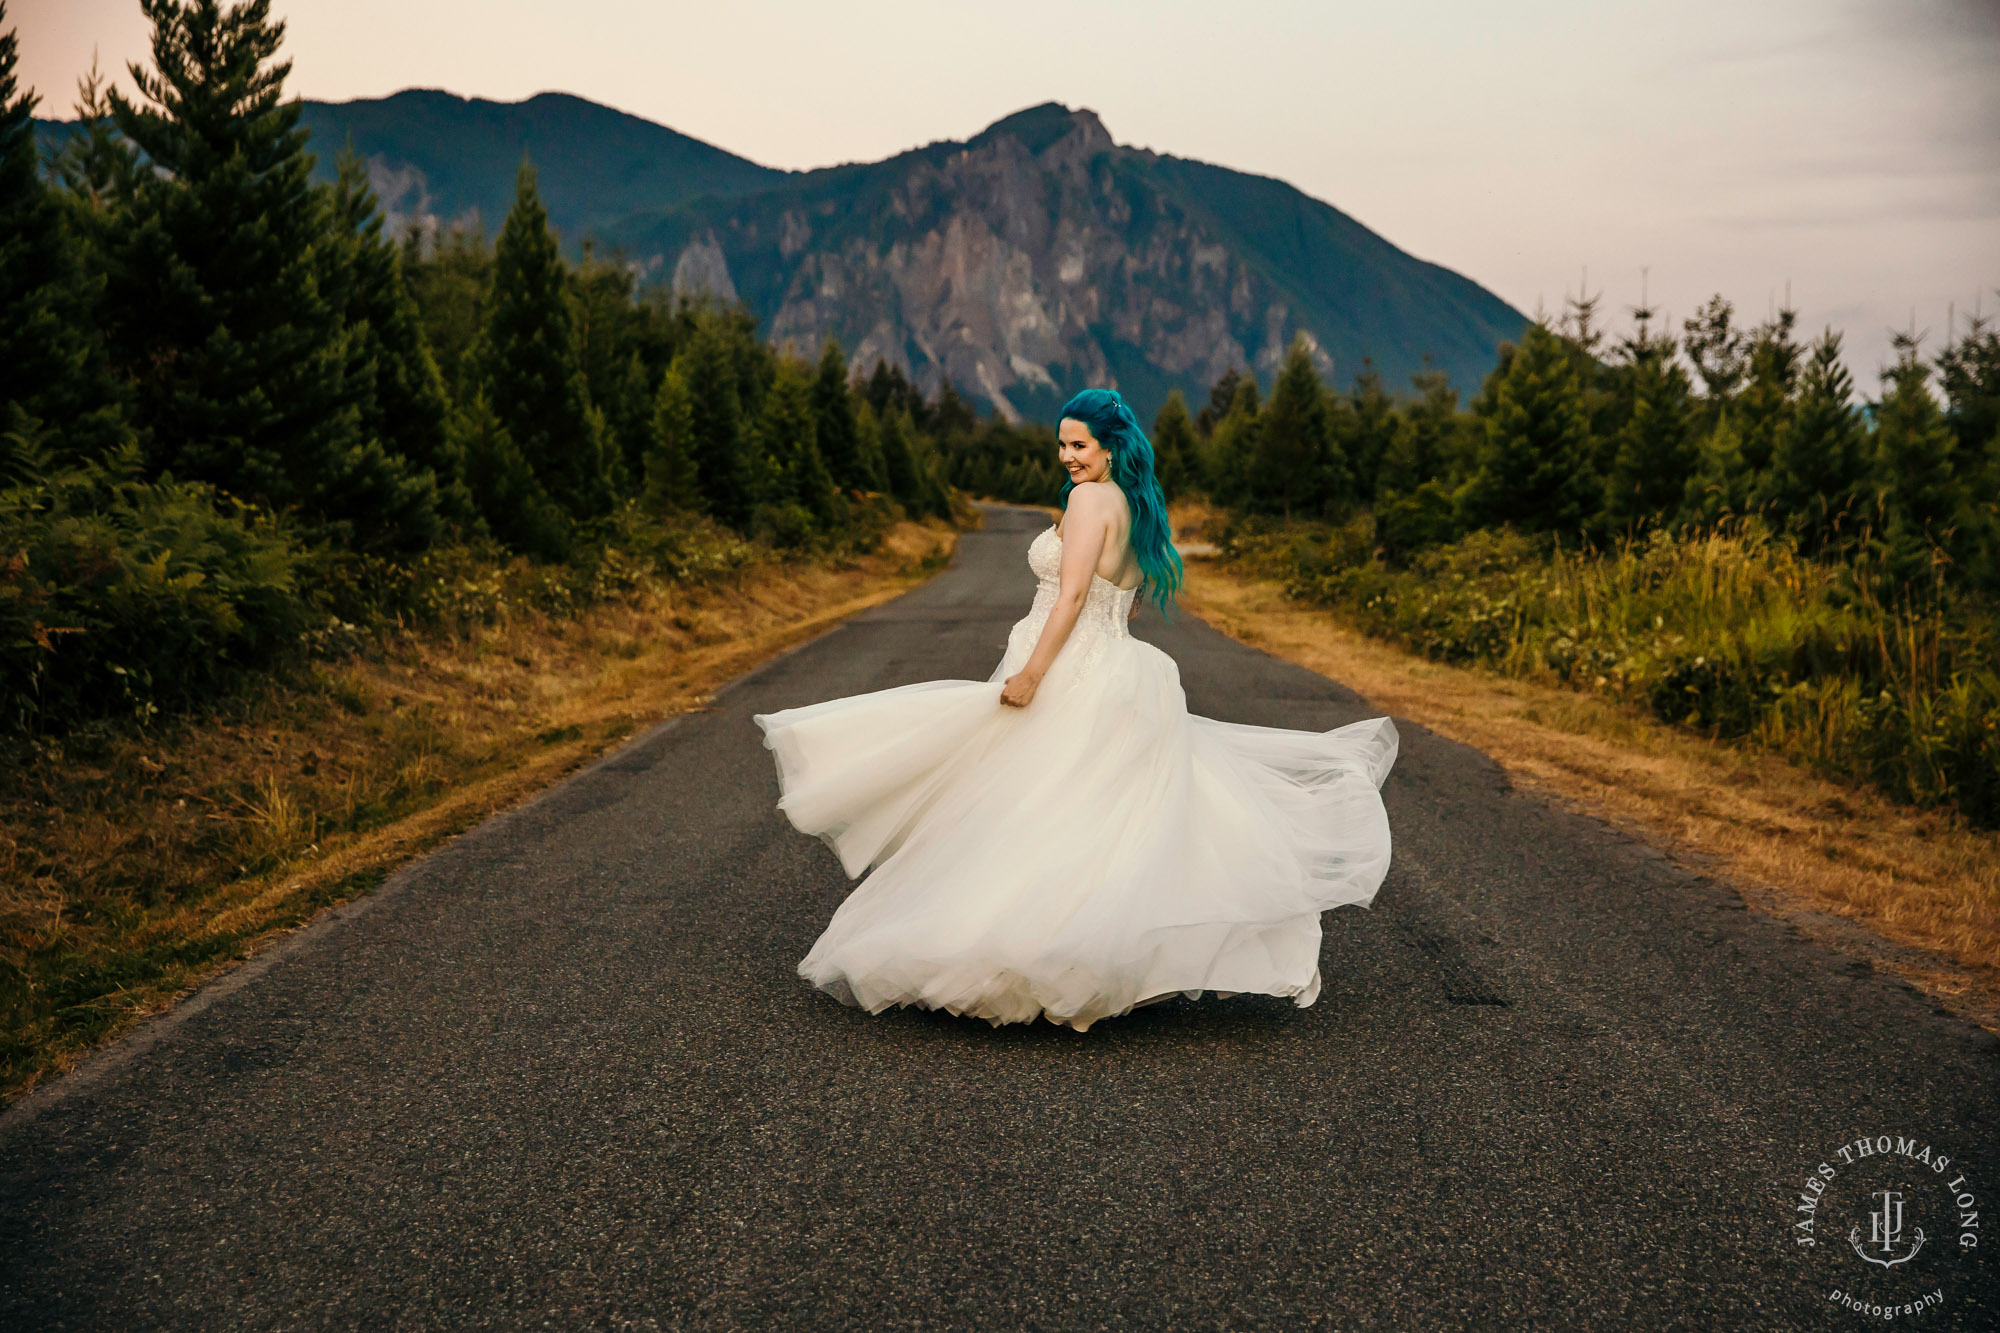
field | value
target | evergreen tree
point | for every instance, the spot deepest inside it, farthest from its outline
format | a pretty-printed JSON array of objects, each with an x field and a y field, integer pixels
[
  {"x": 725, "y": 471},
  {"x": 451, "y": 287},
  {"x": 1293, "y": 468},
  {"x": 607, "y": 323},
  {"x": 787, "y": 430},
  {"x": 1970, "y": 373},
  {"x": 1175, "y": 448},
  {"x": 530, "y": 362},
  {"x": 899, "y": 455},
  {"x": 1234, "y": 446},
  {"x": 673, "y": 483},
  {"x": 517, "y": 510},
  {"x": 1721, "y": 485},
  {"x": 223, "y": 301},
  {"x": 1221, "y": 397},
  {"x": 1917, "y": 492},
  {"x": 833, "y": 420},
  {"x": 396, "y": 382},
  {"x": 1419, "y": 447},
  {"x": 1656, "y": 451},
  {"x": 868, "y": 449},
  {"x": 1817, "y": 484},
  {"x": 54, "y": 387},
  {"x": 1715, "y": 345},
  {"x": 1765, "y": 405},
  {"x": 1367, "y": 432},
  {"x": 1534, "y": 469}
]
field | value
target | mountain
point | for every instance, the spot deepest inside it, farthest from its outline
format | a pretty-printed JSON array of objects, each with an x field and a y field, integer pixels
[
  {"x": 1031, "y": 260},
  {"x": 440, "y": 159}
]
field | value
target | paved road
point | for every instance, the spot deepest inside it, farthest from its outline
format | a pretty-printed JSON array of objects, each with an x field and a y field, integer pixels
[{"x": 561, "y": 1073}]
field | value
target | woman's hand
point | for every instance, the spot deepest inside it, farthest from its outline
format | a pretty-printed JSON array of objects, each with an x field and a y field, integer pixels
[{"x": 1019, "y": 691}]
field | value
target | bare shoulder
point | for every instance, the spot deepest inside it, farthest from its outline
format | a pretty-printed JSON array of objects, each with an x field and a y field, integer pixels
[{"x": 1099, "y": 499}]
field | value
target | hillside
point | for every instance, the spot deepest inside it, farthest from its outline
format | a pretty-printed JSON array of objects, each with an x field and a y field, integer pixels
[{"x": 1033, "y": 259}]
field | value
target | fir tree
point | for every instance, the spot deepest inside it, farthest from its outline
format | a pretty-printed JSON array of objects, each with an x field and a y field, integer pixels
[
  {"x": 721, "y": 447},
  {"x": 1917, "y": 492},
  {"x": 673, "y": 484},
  {"x": 224, "y": 295},
  {"x": 399, "y": 390},
  {"x": 833, "y": 420},
  {"x": 1234, "y": 445},
  {"x": 1764, "y": 407},
  {"x": 1817, "y": 484},
  {"x": 530, "y": 365},
  {"x": 1175, "y": 448},
  {"x": 1419, "y": 447},
  {"x": 53, "y": 383},
  {"x": 1715, "y": 345},
  {"x": 787, "y": 431},
  {"x": 1656, "y": 451},
  {"x": 1534, "y": 469},
  {"x": 1221, "y": 397},
  {"x": 1368, "y": 431},
  {"x": 899, "y": 456},
  {"x": 517, "y": 510},
  {"x": 1293, "y": 467},
  {"x": 868, "y": 449},
  {"x": 1720, "y": 485}
]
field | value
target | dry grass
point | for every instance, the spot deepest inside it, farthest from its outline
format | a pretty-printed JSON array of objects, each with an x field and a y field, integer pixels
[
  {"x": 131, "y": 876},
  {"x": 1812, "y": 850}
]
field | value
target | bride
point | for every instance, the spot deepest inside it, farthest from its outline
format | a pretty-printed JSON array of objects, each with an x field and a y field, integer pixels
[{"x": 1064, "y": 839}]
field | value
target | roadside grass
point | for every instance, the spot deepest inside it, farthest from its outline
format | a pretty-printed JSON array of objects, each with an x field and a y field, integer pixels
[
  {"x": 135, "y": 865},
  {"x": 1926, "y": 880}
]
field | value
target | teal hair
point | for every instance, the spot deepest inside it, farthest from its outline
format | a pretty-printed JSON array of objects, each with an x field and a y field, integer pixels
[{"x": 1114, "y": 427}]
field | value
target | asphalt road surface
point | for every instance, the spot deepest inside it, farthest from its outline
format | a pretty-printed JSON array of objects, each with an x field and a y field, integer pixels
[{"x": 561, "y": 1073}]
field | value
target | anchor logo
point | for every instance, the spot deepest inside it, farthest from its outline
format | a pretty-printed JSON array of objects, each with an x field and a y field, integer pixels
[{"x": 1885, "y": 1232}]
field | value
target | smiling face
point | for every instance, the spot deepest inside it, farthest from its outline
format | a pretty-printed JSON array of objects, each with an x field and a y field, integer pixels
[{"x": 1079, "y": 452}]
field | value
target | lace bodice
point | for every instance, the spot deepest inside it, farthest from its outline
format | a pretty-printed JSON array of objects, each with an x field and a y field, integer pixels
[{"x": 1102, "y": 621}]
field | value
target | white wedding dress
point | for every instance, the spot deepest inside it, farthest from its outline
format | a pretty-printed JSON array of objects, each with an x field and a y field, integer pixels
[{"x": 1098, "y": 849}]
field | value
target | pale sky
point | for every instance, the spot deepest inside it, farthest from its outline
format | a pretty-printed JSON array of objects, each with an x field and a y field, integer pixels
[{"x": 1850, "y": 148}]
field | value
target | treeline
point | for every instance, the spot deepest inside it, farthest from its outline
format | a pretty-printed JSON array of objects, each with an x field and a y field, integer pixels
[
  {"x": 1590, "y": 441},
  {"x": 233, "y": 412},
  {"x": 1710, "y": 525}
]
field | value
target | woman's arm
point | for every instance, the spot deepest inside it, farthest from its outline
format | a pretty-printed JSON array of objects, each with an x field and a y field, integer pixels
[{"x": 1086, "y": 524}]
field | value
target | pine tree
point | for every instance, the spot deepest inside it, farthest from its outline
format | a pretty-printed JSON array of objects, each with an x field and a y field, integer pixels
[
  {"x": 1369, "y": 431},
  {"x": 1656, "y": 451},
  {"x": 673, "y": 484},
  {"x": 1721, "y": 484},
  {"x": 1817, "y": 484},
  {"x": 1918, "y": 495},
  {"x": 1715, "y": 345},
  {"x": 899, "y": 455},
  {"x": 1175, "y": 448},
  {"x": 1764, "y": 407},
  {"x": 833, "y": 420},
  {"x": 607, "y": 324},
  {"x": 1970, "y": 374},
  {"x": 223, "y": 300},
  {"x": 722, "y": 448},
  {"x": 400, "y": 392},
  {"x": 54, "y": 387},
  {"x": 1221, "y": 397},
  {"x": 787, "y": 430},
  {"x": 531, "y": 367},
  {"x": 517, "y": 510},
  {"x": 1293, "y": 467},
  {"x": 1234, "y": 445},
  {"x": 1419, "y": 448},
  {"x": 1534, "y": 468},
  {"x": 868, "y": 449}
]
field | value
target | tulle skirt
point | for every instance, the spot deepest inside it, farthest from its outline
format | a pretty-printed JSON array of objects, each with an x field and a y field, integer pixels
[{"x": 1096, "y": 850}]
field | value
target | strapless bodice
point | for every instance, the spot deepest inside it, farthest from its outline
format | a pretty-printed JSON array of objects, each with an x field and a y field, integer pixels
[{"x": 1103, "y": 621}]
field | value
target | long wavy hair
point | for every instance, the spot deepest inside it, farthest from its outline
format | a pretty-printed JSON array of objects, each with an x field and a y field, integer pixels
[{"x": 1115, "y": 428}]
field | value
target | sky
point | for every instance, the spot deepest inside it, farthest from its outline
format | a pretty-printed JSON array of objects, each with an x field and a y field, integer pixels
[{"x": 1845, "y": 150}]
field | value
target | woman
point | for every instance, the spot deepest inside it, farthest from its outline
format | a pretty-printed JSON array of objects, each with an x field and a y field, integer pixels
[{"x": 1064, "y": 839}]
